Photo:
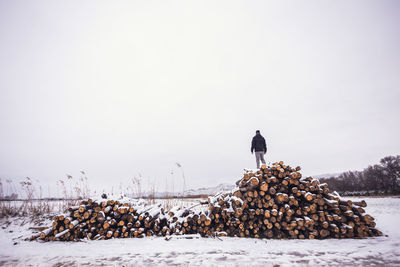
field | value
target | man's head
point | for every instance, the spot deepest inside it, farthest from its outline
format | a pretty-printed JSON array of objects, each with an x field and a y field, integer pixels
[{"x": 258, "y": 132}]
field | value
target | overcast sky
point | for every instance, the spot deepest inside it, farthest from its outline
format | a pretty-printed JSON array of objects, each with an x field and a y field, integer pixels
[{"x": 122, "y": 88}]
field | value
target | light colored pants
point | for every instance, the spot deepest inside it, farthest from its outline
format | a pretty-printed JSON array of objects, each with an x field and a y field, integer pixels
[{"x": 259, "y": 156}]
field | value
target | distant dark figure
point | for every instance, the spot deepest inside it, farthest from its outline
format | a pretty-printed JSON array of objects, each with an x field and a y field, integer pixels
[{"x": 260, "y": 147}]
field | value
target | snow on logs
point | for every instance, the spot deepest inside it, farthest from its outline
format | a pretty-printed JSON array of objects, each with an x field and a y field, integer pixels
[{"x": 273, "y": 202}]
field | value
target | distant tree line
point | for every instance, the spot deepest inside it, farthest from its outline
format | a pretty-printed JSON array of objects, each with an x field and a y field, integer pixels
[{"x": 383, "y": 178}]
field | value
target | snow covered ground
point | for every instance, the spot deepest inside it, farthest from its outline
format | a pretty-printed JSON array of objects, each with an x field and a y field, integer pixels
[{"x": 381, "y": 251}]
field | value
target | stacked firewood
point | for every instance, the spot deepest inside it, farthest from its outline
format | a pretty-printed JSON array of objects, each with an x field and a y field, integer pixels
[
  {"x": 273, "y": 202},
  {"x": 277, "y": 202},
  {"x": 99, "y": 220}
]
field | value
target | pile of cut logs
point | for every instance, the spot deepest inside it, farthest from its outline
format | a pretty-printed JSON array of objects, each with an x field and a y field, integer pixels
[{"x": 272, "y": 202}]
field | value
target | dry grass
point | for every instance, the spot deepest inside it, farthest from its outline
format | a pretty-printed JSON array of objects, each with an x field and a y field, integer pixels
[{"x": 26, "y": 198}]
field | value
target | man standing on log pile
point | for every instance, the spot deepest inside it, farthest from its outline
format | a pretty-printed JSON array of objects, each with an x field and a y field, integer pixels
[{"x": 258, "y": 145}]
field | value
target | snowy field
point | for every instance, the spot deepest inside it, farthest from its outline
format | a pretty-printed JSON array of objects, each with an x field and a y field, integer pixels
[{"x": 179, "y": 251}]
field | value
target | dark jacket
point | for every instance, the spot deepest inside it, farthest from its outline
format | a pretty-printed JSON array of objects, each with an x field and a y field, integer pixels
[{"x": 258, "y": 144}]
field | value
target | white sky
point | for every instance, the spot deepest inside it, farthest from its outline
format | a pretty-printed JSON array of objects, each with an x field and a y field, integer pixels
[{"x": 128, "y": 87}]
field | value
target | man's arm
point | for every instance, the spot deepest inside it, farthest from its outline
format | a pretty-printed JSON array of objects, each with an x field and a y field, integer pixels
[
  {"x": 252, "y": 145},
  {"x": 265, "y": 146}
]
